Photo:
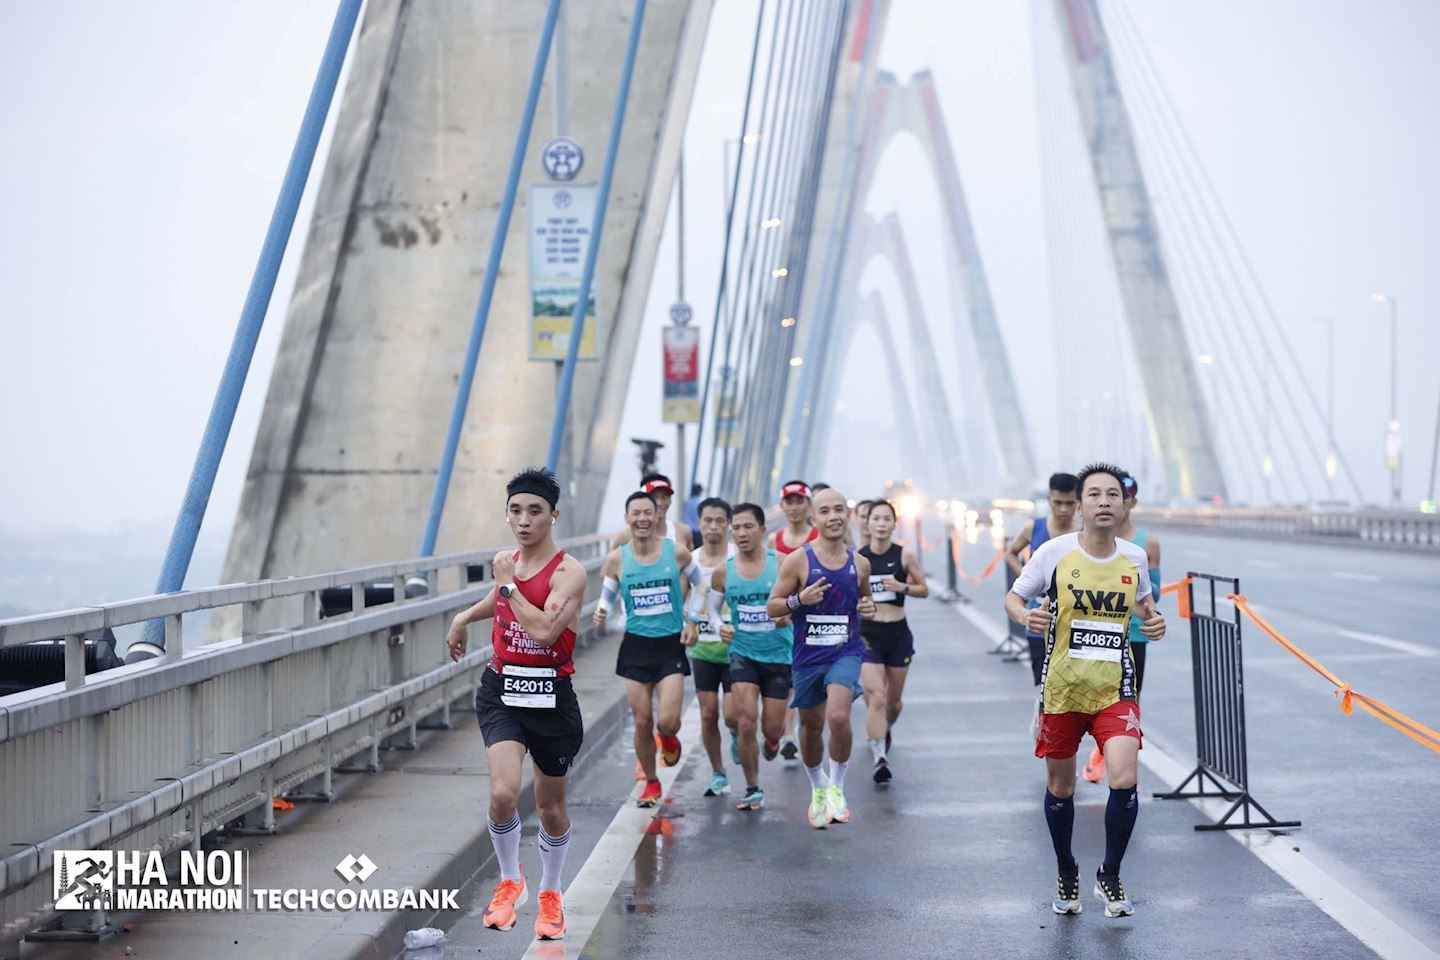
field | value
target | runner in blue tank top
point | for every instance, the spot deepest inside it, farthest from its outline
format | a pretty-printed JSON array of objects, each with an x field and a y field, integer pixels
[{"x": 826, "y": 588}]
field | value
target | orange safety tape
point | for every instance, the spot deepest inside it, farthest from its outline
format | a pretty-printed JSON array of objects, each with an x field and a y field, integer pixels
[
  {"x": 1182, "y": 595},
  {"x": 989, "y": 567},
  {"x": 1348, "y": 697}
]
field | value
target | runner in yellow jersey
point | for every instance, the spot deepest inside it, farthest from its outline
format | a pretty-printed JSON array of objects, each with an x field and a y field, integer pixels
[{"x": 1091, "y": 583}]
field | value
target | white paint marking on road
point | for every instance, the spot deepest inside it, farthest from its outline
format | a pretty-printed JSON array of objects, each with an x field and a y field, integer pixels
[
  {"x": 1371, "y": 927},
  {"x": 594, "y": 885},
  {"x": 1404, "y": 646},
  {"x": 1354, "y": 577},
  {"x": 993, "y": 629},
  {"x": 1262, "y": 564}
]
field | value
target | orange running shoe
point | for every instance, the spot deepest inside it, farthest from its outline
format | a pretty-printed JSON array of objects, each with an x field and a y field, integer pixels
[
  {"x": 509, "y": 894},
  {"x": 669, "y": 750},
  {"x": 650, "y": 795},
  {"x": 550, "y": 924},
  {"x": 1095, "y": 767}
]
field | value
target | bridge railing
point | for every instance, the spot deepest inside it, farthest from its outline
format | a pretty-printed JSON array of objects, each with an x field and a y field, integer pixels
[
  {"x": 1382, "y": 528},
  {"x": 158, "y": 753}
]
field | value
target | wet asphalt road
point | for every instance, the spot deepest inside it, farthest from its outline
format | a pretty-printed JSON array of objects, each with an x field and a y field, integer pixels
[{"x": 953, "y": 858}]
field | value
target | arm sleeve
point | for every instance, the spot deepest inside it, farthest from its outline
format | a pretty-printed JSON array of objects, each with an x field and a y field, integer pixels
[
  {"x": 609, "y": 591},
  {"x": 695, "y": 575},
  {"x": 1155, "y": 582},
  {"x": 1035, "y": 575}
]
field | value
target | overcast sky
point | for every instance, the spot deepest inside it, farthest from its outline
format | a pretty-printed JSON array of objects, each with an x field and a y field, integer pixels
[{"x": 141, "y": 147}]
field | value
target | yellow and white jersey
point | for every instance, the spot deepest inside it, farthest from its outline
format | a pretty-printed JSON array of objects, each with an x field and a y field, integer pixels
[{"x": 1088, "y": 664}]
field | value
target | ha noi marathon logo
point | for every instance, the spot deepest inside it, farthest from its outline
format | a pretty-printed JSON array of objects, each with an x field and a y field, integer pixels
[{"x": 118, "y": 880}]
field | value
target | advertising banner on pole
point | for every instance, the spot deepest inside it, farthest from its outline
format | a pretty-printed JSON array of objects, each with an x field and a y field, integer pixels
[
  {"x": 561, "y": 215},
  {"x": 682, "y": 374}
]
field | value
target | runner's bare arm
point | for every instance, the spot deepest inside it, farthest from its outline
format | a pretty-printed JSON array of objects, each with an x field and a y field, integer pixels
[
  {"x": 621, "y": 538},
  {"x": 1018, "y": 545},
  {"x": 916, "y": 586},
  {"x": 787, "y": 581},
  {"x": 866, "y": 605},
  {"x": 562, "y": 606},
  {"x": 458, "y": 637}
]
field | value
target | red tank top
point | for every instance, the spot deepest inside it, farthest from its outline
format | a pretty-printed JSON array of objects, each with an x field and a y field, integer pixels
[
  {"x": 781, "y": 547},
  {"x": 508, "y": 639}
]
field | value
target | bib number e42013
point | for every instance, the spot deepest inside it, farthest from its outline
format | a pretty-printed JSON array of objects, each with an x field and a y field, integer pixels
[
  {"x": 1097, "y": 640},
  {"x": 529, "y": 687}
]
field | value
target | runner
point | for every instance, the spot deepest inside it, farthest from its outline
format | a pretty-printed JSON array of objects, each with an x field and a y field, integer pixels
[
  {"x": 710, "y": 657},
  {"x": 862, "y": 514},
  {"x": 647, "y": 573},
  {"x": 895, "y": 574},
  {"x": 526, "y": 701},
  {"x": 662, "y": 492},
  {"x": 795, "y": 504},
  {"x": 759, "y": 646},
  {"x": 1064, "y": 489},
  {"x": 1091, "y": 582},
  {"x": 1095, "y": 767},
  {"x": 826, "y": 588}
]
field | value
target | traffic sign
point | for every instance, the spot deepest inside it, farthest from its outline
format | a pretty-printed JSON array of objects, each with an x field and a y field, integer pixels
[
  {"x": 681, "y": 313},
  {"x": 562, "y": 158}
]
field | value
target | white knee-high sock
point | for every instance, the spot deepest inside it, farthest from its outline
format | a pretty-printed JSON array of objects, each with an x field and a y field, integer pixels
[
  {"x": 817, "y": 777},
  {"x": 837, "y": 772},
  {"x": 552, "y": 858},
  {"x": 877, "y": 750},
  {"x": 506, "y": 838}
]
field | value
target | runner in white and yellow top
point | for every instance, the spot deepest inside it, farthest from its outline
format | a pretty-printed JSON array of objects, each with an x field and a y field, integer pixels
[{"x": 1091, "y": 583}]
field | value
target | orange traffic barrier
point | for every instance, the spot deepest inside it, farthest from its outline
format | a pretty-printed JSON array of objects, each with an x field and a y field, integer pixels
[
  {"x": 989, "y": 567},
  {"x": 1413, "y": 729}
]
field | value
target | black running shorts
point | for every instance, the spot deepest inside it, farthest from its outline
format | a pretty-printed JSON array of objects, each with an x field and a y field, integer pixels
[
  {"x": 773, "y": 679},
  {"x": 710, "y": 677},
  {"x": 890, "y": 643},
  {"x": 551, "y": 735},
  {"x": 651, "y": 659}
]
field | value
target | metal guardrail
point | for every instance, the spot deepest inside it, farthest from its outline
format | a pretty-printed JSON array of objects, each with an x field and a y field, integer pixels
[
  {"x": 159, "y": 753},
  {"x": 1381, "y": 528}
]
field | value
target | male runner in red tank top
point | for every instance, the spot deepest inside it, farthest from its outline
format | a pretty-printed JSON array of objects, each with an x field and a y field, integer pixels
[{"x": 525, "y": 701}]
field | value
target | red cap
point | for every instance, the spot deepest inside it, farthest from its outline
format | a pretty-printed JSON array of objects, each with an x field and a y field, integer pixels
[
  {"x": 654, "y": 485},
  {"x": 795, "y": 490}
]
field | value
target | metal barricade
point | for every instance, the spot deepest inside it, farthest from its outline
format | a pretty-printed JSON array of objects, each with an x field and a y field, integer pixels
[{"x": 1219, "y": 677}]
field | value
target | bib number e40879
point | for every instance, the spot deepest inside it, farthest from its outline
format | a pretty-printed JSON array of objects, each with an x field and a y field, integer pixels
[
  {"x": 1096, "y": 640},
  {"x": 530, "y": 687}
]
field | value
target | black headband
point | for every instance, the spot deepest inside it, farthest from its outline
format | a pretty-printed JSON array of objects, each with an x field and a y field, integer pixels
[{"x": 539, "y": 488}]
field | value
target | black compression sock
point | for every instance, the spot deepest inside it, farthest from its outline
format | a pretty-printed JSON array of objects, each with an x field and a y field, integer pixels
[{"x": 1060, "y": 816}]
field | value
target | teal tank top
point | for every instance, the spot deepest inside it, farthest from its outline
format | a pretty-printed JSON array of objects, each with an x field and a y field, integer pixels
[
  {"x": 653, "y": 605},
  {"x": 756, "y": 636},
  {"x": 1135, "y": 635}
]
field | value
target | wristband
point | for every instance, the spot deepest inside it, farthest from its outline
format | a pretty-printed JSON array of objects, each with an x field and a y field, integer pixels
[
  {"x": 505, "y": 589},
  {"x": 793, "y": 601}
]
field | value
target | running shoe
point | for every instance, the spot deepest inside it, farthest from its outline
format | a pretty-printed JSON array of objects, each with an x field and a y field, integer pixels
[
  {"x": 789, "y": 749},
  {"x": 835, "y": 803},
  {"x": 882, "y": 771},
  {"x": 509, "y": 894},
  {"x": 772, "y": 749},
  {"x": 719, "y": 784},
  {"x": 650, "y": 795},
  {"x": 1109, "y": 891},
  {"x": 669, "y": 749},
  {"x": 754, "y": 799},
  {"x": 1095, "y": 767},
  {"x": 550, "y": 923},
  {"x": 819, "y": 809},
  {"x": 735, "y": 749},
  {"x": 1067, "y": 891}
]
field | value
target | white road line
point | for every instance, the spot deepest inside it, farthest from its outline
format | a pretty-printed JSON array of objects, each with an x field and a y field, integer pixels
[
  {"x": 994, "y": 630},
  {"x": 1404, "y": 646},
  {"x": 1279, "y": 853},
  {"x": 594, "y": 885},
  {"x": 1262, "y": 564},
  {"x": 1355, "y": 577}
]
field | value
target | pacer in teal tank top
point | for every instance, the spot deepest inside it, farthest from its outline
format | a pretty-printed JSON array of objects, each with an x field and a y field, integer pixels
[
  {"x": 653, "y": 603},
  {"x": 756, "y": 636}
]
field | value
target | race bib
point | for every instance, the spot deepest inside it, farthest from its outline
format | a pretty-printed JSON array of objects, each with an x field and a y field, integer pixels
[
  {"x": 1096, "y": 640},
  {"x": 753, "y": 618},
  {"x": 878, "y": 593},
  {"x": 651, "y": 601},
  {"x": 530, "y": 687},
  {"x": 708, "y": 633},
  {"x": 826, "y": 630}
]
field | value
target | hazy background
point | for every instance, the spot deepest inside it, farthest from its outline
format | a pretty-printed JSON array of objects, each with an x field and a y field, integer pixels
[{"x": 141, "y": 147}]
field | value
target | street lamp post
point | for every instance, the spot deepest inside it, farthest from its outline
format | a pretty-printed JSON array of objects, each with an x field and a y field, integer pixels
[
  {"x": 1392, "y": 429},
  {"x": 1330, "y": 457}
]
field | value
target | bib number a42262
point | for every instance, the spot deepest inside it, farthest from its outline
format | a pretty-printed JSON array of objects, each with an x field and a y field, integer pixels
[
  {"x": 827, "y": 630},
  {"x": 1096, "y": 640},
  {"x": 529, "y": 687}
]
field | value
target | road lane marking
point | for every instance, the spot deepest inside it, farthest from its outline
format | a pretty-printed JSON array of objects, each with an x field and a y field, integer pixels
[
  {"x": 993, "y": 629},
  {"x": 1263, "y": 564},
  {"x": 1367, "y": 924},
  {"x": 588, "y": 894},
  {"x": 1355, "y": 577},
  {"x": 1404, "y": 646}
]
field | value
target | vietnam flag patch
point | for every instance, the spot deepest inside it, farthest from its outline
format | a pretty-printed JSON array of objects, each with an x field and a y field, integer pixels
[{"x": 1126, "y": 580}]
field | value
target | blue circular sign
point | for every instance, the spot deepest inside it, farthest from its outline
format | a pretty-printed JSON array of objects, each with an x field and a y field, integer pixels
[{"x": 562, "y": 159}]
